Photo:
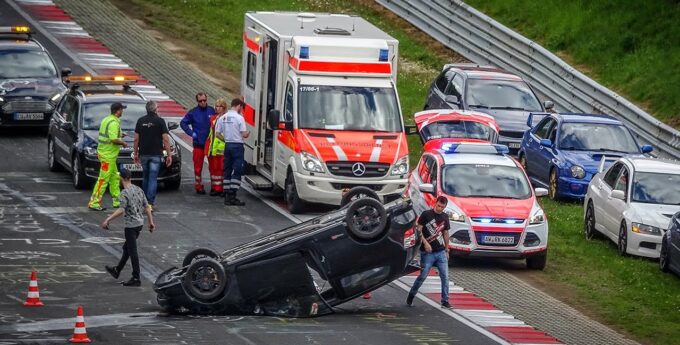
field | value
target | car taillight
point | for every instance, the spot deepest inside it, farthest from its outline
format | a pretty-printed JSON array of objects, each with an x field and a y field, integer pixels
[{"x": 409, "y": 238}]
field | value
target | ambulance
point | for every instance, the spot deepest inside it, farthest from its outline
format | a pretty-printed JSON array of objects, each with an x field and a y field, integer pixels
[{"x": 322, "y": 107}]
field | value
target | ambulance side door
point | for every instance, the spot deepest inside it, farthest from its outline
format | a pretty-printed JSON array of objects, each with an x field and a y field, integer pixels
[
  {"x": 251, "y": 91},
  {"x": 284, "y": 147}
]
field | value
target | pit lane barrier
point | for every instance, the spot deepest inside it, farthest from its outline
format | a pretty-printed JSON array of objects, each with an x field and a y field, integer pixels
[{"x": 485, "y": 41}]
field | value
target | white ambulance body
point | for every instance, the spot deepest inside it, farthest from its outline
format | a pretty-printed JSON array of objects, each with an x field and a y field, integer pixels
[{"x": 322, "y": 107}]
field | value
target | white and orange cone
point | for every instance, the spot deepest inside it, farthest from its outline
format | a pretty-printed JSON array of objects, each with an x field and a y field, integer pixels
[
  {"x": 33, "y": 299},
  {"x": 79, "y": 332}
]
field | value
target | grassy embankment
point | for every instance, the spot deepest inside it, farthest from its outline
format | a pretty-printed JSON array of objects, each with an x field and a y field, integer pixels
[{"x": 627, "y": 293}]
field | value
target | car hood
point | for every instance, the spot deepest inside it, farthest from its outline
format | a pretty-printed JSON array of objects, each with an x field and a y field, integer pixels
[
  {"x": 590, "y": 160},
  {"x": 509, "y": 120},
  {"x": 29, "y": 87},
  {"x": 93, "y": 136},
  {"x": 494, "y": 207},
  {"x": 654, "y": 214},
  {"x": 342, "y": 145}
]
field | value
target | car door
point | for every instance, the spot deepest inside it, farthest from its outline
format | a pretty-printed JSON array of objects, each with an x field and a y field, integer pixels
[
  {"x": 546, "y": 155},
  {"x": 435, "y": 99},
  {"x": 601, "y": 191},
  {"x": 613, "y": 208},
  {"x": 674, "y": 247},
  {"x": 64, "y": 136},
  {"x": 454, "y": 88},
  {"x": 533, "y": 149}
]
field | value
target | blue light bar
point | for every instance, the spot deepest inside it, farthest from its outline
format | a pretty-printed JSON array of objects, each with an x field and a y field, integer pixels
[
  {"x": 384, "y": 54},
  {"x": 475, "y": 148},
  {"x": 304, "y": 52},
  {"x": 502, "y": 149},
  {"x": 449, "y": 147}
]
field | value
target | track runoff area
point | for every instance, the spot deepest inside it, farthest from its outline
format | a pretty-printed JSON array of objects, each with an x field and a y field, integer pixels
[{"x": 46, "y": 229}]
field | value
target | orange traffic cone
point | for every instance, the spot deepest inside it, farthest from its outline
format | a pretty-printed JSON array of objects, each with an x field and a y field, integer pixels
[
  {"x": 33, "y": 299},
  {"x": 79, "y": 332}
]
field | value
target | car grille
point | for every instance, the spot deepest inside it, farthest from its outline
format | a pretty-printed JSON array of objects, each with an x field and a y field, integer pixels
[
  {"x": 341, "y": 186},
  {"x": 27, "y": 107},
  {"x": 344, "y": 168},
  {"x": 480, "y": 234},
  {"x": 511, "y": 134},
  {"x": 497, "y": 220}
]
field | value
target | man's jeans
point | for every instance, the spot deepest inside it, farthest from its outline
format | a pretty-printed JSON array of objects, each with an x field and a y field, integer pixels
[
  {"x": 427, "y": 260},
  {"x": 130, "y": 250},
  {"x": 151, "y": 166}
]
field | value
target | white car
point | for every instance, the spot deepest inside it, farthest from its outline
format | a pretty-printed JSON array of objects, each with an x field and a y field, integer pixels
[{"x": 632, "y": 203}]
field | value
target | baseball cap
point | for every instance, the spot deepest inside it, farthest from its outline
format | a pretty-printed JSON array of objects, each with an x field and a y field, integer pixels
[{"x": 117, "y": 106}]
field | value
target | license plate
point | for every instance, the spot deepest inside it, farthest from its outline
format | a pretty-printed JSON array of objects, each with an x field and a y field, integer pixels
[
  {"x": 132, "y": 167},
  {"x": 29, "y": 116},
  {"x": 513, "y": 145},
  {"x": 498, "y": 239}
]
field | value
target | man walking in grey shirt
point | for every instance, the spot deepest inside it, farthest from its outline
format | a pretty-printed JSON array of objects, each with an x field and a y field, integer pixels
[{"x": 133, "y": 205}]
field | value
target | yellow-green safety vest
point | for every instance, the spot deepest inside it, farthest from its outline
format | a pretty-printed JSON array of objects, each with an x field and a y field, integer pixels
[{"x": 108, "y": 131}]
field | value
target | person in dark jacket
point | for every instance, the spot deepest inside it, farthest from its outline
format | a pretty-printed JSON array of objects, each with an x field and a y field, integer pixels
[{"x": 196, "y": 123}]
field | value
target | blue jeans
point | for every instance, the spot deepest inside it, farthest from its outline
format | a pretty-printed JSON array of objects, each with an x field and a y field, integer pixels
[
  {"x": 151, "y": 166},
  {"x": 233, "y": 167},
  {"x": 427, "y": 260}
]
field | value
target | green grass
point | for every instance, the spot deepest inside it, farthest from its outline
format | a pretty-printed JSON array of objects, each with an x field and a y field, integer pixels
[
  {"x": 627, "y": 45},
  {"x": 627, "y": 293}
]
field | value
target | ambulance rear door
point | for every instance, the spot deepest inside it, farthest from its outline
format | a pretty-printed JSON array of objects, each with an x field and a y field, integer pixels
[{"x": 252, "y": 92}]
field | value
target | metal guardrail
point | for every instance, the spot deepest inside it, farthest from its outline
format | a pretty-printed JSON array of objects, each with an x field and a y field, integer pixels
[{"x": 484, "y": 41}]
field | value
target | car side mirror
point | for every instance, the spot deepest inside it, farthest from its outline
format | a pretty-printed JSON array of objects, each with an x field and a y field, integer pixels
[
  {"x": 452, "y": 99},
  {"x": 647, "y": 148},
  {"x": 67, "y": 126},
  {"x": 410, "y": 129},
  {"x": 548, "y": 105},
  {"x": 426, "y": 188},
  {"x": 546, "y": 142},
  {"x": 65, "y": 72},
  {"x": 172, "y": 125},
  {"x": 540, "y": 192},
  {"x": 618, "y": 194},
  {"x": 273, "y": 119}
]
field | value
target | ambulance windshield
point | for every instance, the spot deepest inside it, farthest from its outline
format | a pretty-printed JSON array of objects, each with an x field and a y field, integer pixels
[{"x": 348, "y": 108}]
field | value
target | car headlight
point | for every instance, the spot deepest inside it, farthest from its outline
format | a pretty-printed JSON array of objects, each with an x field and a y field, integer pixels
[
  {"x": 577, "y": 171},
  {"x": 646, "y": 229},
  {"x": 456, "y": 217},
  {"x": 310, "y": 162},
  {"x": 2, "y": 100},
  {"x": 538, "y": 218},
  {"x": 55, "y": 98},
  {"x": 90, "y": 151},
  {"x": 400, "y": 167}
]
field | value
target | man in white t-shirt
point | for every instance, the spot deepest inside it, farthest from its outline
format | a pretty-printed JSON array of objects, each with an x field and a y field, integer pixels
[{"x": 231, "y": 128}]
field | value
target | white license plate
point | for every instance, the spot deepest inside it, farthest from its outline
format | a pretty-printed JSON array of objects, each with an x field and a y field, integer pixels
[
  {"x": 29, "y": 116},
  {"x": 498, "y": 239},
  {"x": 132, "y": 167},
  {"x": 513, "y": 145}
]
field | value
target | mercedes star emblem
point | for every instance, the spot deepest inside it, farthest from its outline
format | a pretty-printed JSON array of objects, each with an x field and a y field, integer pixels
[{"x": 358, "y": 169}]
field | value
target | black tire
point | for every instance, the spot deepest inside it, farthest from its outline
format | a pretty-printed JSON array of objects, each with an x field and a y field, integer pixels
[
  {"x": 589, "y": 222},
  {"x": 295, "y": 204},
  {"x": 205, "y": 279},
  {"x": 52, "y": 163},
  {"x": 358, "y": 193},
  {"x": 664, "y": 258},
  {"x": 537, "y": 262},
  {"x": 622, "y": 244},
  {"x": 552, "y": 185},
  {"x": 366, "y": 218},
  {"x": 78, "y": 173},
  {"x": 198, "y": 254},
  {"x": 174, "y": 183}
]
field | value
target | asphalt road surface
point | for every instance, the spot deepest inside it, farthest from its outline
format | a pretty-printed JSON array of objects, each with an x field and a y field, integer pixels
[{"x": 45, "y": 226}]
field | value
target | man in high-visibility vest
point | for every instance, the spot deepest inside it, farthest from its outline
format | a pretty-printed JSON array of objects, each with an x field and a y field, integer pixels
[{"x": 110, "y": 141}]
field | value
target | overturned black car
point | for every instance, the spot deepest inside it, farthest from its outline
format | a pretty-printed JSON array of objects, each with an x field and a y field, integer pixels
[{"x": 301, "y": 271}]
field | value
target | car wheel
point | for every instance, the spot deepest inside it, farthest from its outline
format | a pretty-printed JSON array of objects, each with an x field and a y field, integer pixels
[
  {"x": 52, "y": 163},
  {"x": 537, "y": 262},
  {"x": 623, "y": 240},
  {"x": 175, "y": 183},
  {"x": 295, "y": 204},
  {"x": 198, "y": 254},
  {"x": 664, "y": 258},
  {"x": 552, "y": 185},
  {"x": 205, "y": 279},
  {"x": 79, "y": 178},
  {"x": 366, "y": 218},
  {"x": 358, "y": 193},
  {"x": 589, "y": 224}
]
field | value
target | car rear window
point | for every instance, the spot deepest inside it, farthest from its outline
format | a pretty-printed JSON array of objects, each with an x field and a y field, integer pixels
[
  {"x": 458, "y": 129},
  {"x": 484, "y": 180}
]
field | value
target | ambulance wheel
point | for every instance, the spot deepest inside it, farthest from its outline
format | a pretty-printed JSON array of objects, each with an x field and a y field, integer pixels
[
  {"x": 205, "y": 279},
  {"x": 358, "y": 193},
  {"x": 366, "y": 218},
  {"x": 199, "y": 253},
  {"x": 78, "y": 173},
  {"x": 295, "y": 204}
]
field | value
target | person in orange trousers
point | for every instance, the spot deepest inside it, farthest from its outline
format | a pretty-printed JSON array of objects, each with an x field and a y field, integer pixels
[{"x": 214, "y": 149}]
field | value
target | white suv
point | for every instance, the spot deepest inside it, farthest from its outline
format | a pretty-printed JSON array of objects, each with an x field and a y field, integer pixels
[{"x": 632, "y": 203}]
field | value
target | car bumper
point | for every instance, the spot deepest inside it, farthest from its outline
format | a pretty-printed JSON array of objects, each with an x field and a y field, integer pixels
[
  {"x": 328, "y": 190},
  {"x": 91, "y": 166},
  {"x": 644, "y": 245},
  {"x": 571, "y": 188},
  {"x": 522, "y": 249}
]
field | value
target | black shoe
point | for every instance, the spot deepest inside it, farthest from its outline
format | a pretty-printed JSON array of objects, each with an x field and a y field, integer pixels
[
  {"x": 236, "y": 202},
  {"x": 98, "y": 208},
  {"x": 409, "y": 300},
  {"x": 133, "y": 282},
  {"x": 446, "y": 305},
  {"x": 214, "y": 193},
  {"x": 200, "y": 191},
  {"x": 113, "y": 271}
]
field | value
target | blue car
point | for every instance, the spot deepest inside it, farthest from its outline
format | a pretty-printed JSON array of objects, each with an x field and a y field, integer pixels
[
  {"x": 669, "y": 258},
  {"x": 563, "y": 151}
]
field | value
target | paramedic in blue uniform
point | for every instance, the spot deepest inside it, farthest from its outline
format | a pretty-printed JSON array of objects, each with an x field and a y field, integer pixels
[{"x": 231, "y": 128}]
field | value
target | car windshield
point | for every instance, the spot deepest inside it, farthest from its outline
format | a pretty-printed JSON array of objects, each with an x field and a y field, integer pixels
[
  {"x": 26, "y": 64},
  {"x": 94, "y": 113},
  {"x": 501, "y": 94},
  {"x": 484, "y": 180},
  {"x": 656, "y": 188},
  {"x": 348, "y": 108},
  {"x": 596, "y": 137},
  {"x": 458, "y": 129}
]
